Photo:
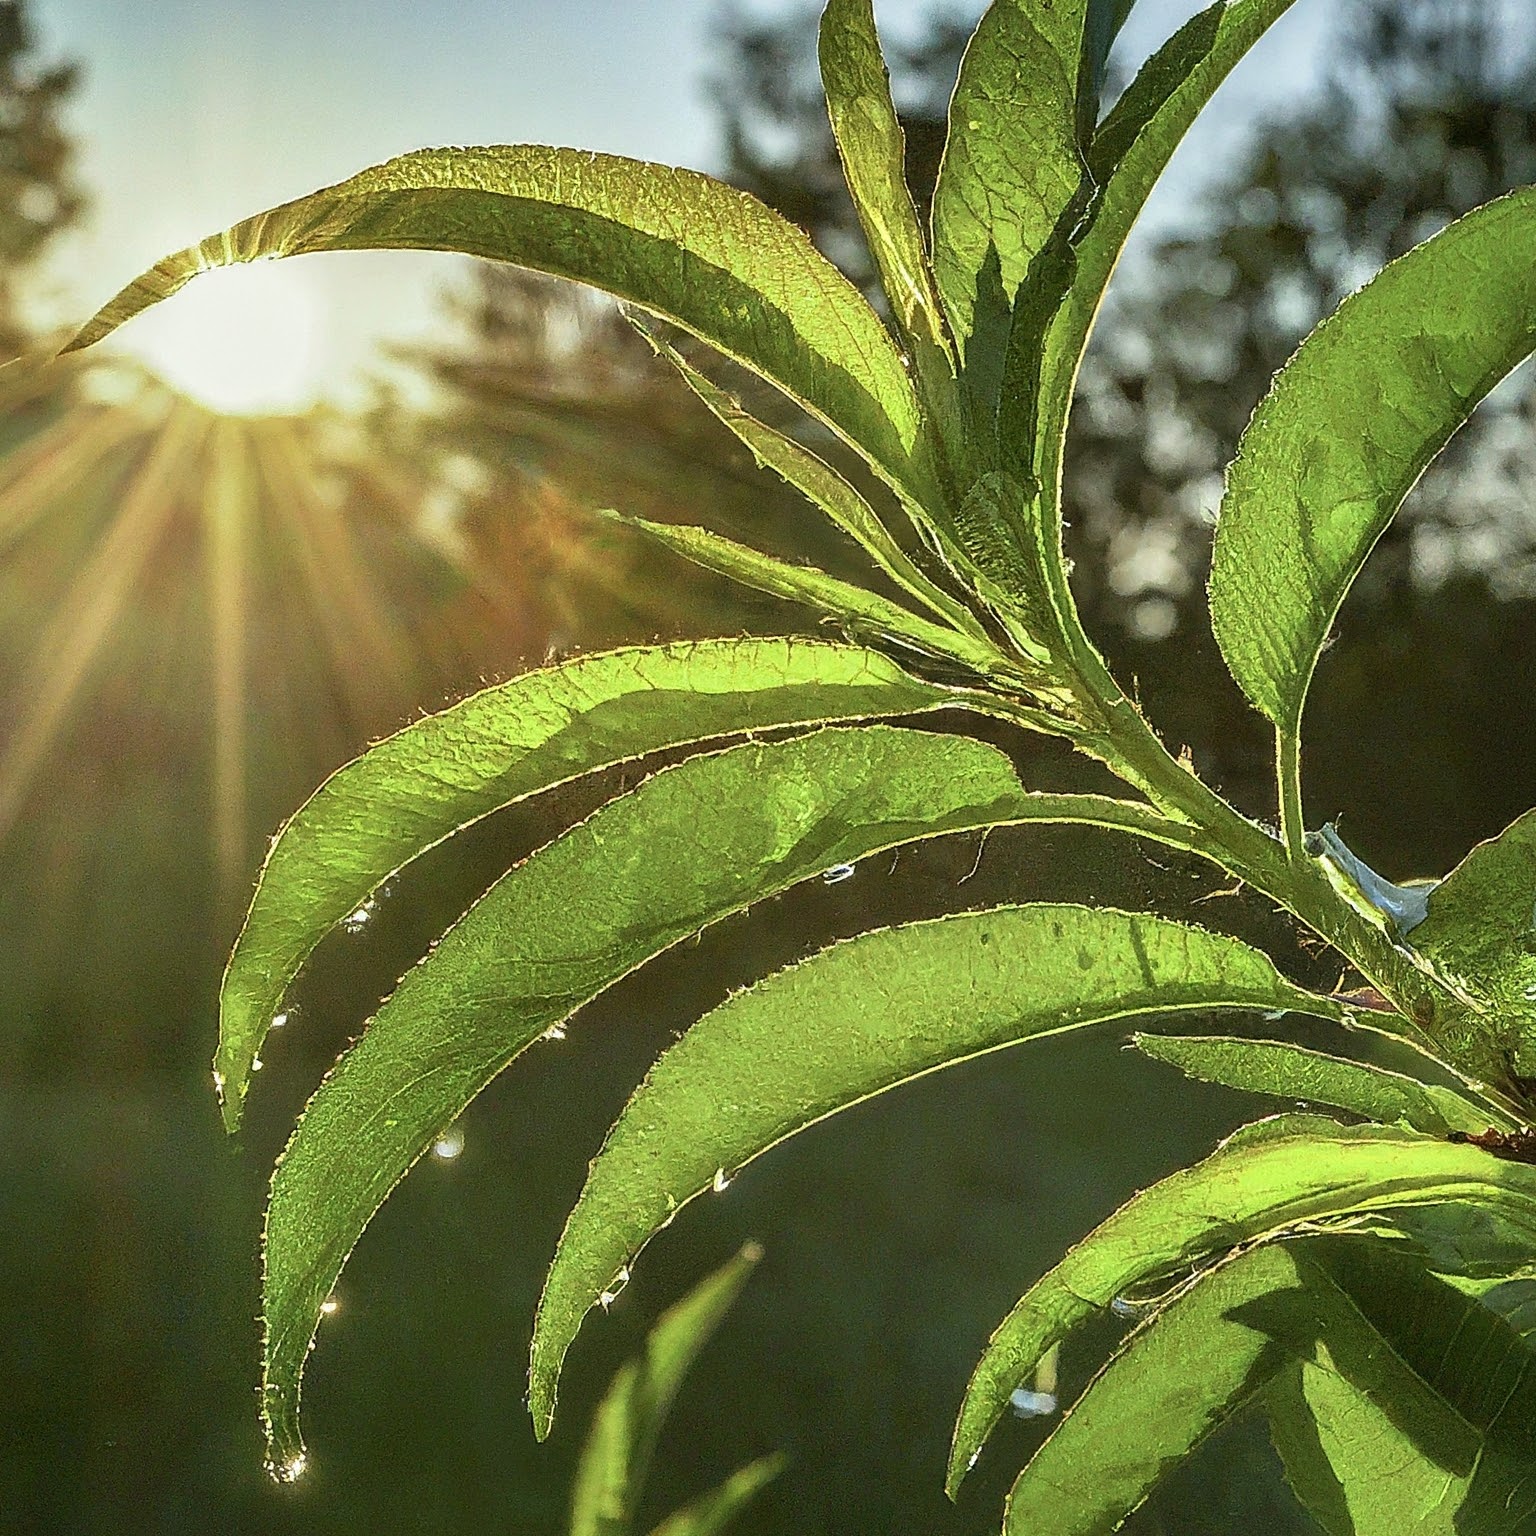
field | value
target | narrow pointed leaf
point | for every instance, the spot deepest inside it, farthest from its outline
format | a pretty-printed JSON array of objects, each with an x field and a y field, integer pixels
[
  {"x": 1012, "y": 164},
  {"x": 851, "y": 1022},
  {"x": 1371, "y": 396},
  {"x": 1190, "y": 1369},
  {"x": 1104, "y": 20},
  {"x": 711, "y": 1514},
  {"x": 1245, "y": 1190},
  {"x": 1293, "y": 1072},
  {"x": 1126, "y": 157},
  {"x": 439, "y": 774},
  {"x": 610, "y": 1477},
  {"x": 816, "y": 480},
  {"x": 681, "y": 245},
  {"x": 692, "y": 845},
  {"x": 872, "y": 146},
  {"x": 864, "y": 612},
  {"x": 1480, "y": 929}
]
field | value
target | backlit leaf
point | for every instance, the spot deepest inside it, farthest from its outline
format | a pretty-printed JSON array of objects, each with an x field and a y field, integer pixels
[
  {"x": 1371, "y": 396},
  {"x": 1175, "y": 1381},
  {"x": 1452, "y": 1383},
  {"x": 1248, "y": 1188},
  {"x": 439, "y": 774},
  {"x": 684, "y": 246},
  {"x": 1293, "y": 1072},
  {"x": 816, "y": 480},
  {"x": 1126, "y": 157},
  {"x": 1480, "y": 929},
  {"x": 853, "y": 1021},
  {"x": 693, "y": 844},
  {"x": 1012, "y": 164},
  {"x": 864, "y": 612},
  {"x": 870, "y": 141}
]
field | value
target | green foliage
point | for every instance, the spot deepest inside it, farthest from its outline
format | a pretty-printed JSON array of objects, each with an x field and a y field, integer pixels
[
  {"x": 610, "y": 1478},
  {"x": 1296, "y": 1271}
]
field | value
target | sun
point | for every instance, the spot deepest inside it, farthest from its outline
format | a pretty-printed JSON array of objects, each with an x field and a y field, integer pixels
[{"x": 242, "y": 340}]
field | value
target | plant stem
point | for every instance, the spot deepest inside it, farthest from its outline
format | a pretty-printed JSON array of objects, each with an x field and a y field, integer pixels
[{"x": 1293, "y": 831}]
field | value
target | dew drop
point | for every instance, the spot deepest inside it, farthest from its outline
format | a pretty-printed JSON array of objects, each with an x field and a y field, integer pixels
[
  {"x": 354, "y": 921},
  {"x": 292, "y": 1470},
  {"x": 278, "y": 1020},
  {"x": 837, "y": 874},
  {"x": 616, "y": 1285},
  {"x": 449, "y": 1145},
  {"x": 257, "y": 1063},
  {"x": 1033, "y": 1405},
  {"x": 330, "y": 1307}
]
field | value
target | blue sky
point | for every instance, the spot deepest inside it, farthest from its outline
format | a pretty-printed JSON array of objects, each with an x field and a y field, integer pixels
[{"x": 196, "y": 112}]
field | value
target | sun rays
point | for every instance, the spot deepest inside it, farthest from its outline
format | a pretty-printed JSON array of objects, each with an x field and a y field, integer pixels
[{"x": 153, "y": 544}]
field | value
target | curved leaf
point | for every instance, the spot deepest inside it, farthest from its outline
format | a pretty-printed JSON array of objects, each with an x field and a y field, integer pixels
[
  {"x": 610, "y": 1477},
  {"x": 703, "y": 254},
  {"x": 1182, "y": 1375},
  {"x": 1479, "y": 931},
  {"x": 822, "y": 485},
  {"x": 862, "y": 610},
  {"x": 1436, "y": 1383},
  {"x": 1126, "y": 157},
  {"x": 1293, "y": 1072},
  {"x": 501, "y": 745},
  {"x": 1012, "y": 165},
  {"x": 1248, "y": 1188},
  {"x": 1371, "y": 396},
  {"x": 855, "y": 1020},
  {"x": 693, "y": 844},
  {"x": 873, "y": 151}
]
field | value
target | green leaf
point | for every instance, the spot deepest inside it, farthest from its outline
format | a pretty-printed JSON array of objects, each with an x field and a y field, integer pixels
[
  {"x": 610, "y": 1477},
  {"x": 1292, "y": 1072},
  {"x": 1012, "y": 164},
  {"x": 702, "y": 254},
  {"x": 1480, "y": 929},
  {"x": 439, "y": 774},
  {"x": 816, "y": 480},
  {"x": 1451, "y": 1382},
  {"x": 1323, "y": 1425},
  {"x": 709, "y": 1515},
  {"x": 1249, "y": 1188},
  {"x": 1176, "y": 1380},
  {"x": 1372, "y": 395},
  {"x": 870, "y": 141},
  {"x": 853, "y": 1021},
  {"x": 693, "y": 844},
  {"x": 864, "y": 612},
  {"x": 1126, "y": 157},
  {"x": 1101, "y": 28}
]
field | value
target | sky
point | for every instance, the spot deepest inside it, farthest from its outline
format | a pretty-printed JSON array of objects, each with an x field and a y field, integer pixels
[{"x": 195, "y": 113}]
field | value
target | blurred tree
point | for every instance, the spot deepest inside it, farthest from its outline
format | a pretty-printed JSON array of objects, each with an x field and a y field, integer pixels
[
  {"x": 1428, "y": 110},
  {"x": 38, "y": 194}
]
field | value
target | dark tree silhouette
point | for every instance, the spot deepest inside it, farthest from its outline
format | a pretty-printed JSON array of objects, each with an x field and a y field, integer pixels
[{"x": 39, "y": 196}]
